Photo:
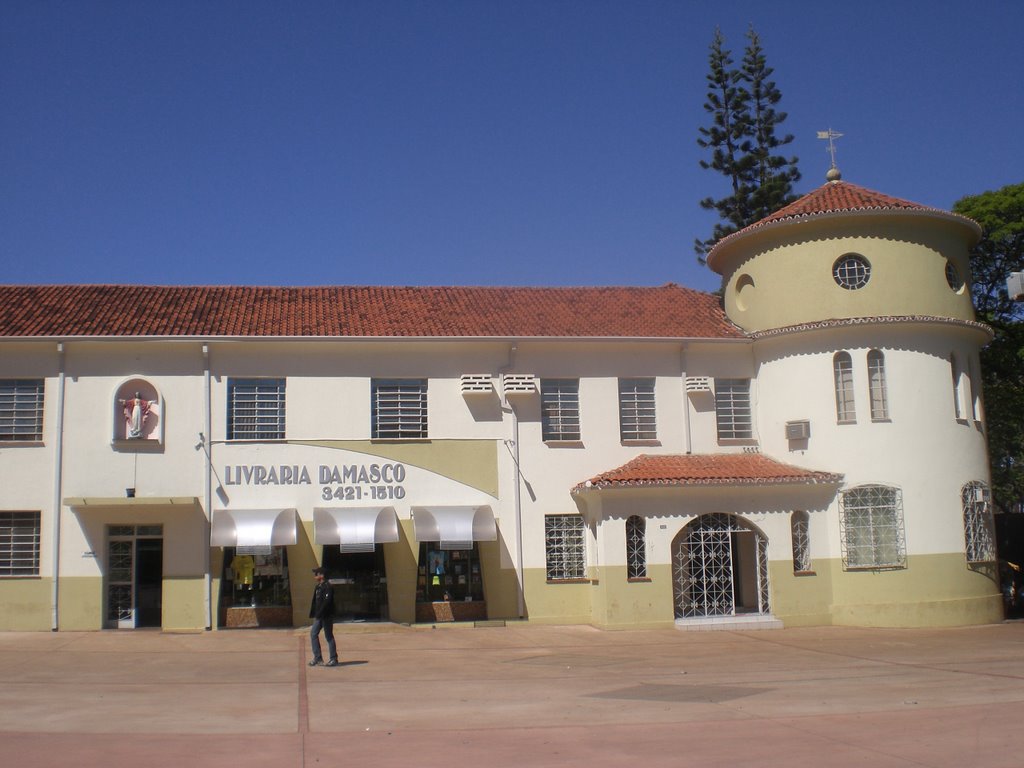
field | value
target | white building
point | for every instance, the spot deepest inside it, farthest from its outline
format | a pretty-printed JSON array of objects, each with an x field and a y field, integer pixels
[{"x": 812, "y": 453}]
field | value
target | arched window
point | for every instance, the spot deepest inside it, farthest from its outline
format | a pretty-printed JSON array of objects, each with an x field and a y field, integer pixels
[
  {"x": 979, "y": 530},
  {"x": 876, "y": 384},
  {"x": 800, "y": 528},
  {"x": 842, "y": 366},
  {"x": 636, "y": 548},
  {"x": 954, "y": 369}
]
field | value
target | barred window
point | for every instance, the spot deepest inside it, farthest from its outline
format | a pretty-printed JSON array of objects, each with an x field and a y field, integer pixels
[
  {"x": 564, "y": 548},
  {"x": 979, "y": 528},
  {"x": 871, "y": 527},
  {"x": 636, "y": 410},
  {"x": 851, "y": 271},
  {"x": 19, "y": 543},
  {"x": 876, "y": 380},
  {"x": 801, "y": 532},
  {"x": 399, "y": 409},
  {"x": 560, "y": 409},
  {"x": 21, "y": 409},
  {"x": 256, "y": 409},
  {"x": 732, "y": 409},
  {"x": 842, "y": 367},
  {"x": 636, "y": 547}
]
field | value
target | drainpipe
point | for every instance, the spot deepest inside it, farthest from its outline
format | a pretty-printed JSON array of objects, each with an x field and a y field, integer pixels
[
  {"x": 516, "y": 488},
  {"x": 686, "y": 401},
  {"x": 58, "y": 473},
  {"x": 207, "y": 490}
]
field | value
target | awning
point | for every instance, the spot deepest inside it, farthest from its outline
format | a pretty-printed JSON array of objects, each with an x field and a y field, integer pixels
[
  {"x": 454, "y": 527},
  {"x": 355, "y": 529},
  {"x": 253, "y": 527}
]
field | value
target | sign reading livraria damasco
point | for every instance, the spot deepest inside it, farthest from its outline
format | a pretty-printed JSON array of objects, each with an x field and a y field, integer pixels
[{"x": 344, "y": 482}]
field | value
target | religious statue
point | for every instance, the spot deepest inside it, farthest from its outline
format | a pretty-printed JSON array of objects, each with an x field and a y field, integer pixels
[{"x": 135, "y": 412}]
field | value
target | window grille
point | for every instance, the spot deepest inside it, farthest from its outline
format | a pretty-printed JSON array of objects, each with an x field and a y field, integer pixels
[
  {"x": 979, "y": 528},
  {"x": 871, "y": 527},
  {"x": 636, "y": 410},
  {"x": 21, "y": 409},
  {"x": 560, "y": 409},
  {"x": 851, "y": 271},
  {"x": 636, "y": 548},
  {"x": 732, "y": 409},
  {"x": 256, "y": 409},
  {"x": 399, "y": 409},
  {"x": 800, "y": 528},
  {"x": 19, "y": 543},
  {"x": 876, "y": 380},
  {"x": 842, "y": 366},
  {"x": 564, "y": 549}
]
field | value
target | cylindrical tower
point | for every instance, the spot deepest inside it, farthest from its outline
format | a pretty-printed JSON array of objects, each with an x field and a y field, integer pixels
[{"x": 867, "y": 355}]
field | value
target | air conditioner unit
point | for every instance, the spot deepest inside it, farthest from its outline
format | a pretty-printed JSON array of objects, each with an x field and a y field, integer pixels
[
  {"x": 798, "y": 430},
  {"x": 519, "y": 384},
  {"x": 1015, "y": 286},
  {"x": 476, "y": 383},
  {"x": 695, "y": 384},
  {"x": 978, "y": 495}
]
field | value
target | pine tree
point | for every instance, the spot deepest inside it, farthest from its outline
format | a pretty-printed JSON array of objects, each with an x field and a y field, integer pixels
[
  {"x": 728, "y": 139},
  {"x": 774, "y": 175},
  {"x": 743, "y": 140}
]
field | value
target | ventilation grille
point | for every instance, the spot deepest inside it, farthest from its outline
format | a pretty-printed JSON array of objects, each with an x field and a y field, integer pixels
[
  {"x": 519, "y": 384},
  {"x": 696, "y": 384},
  {"x": 476, "y": 384}
]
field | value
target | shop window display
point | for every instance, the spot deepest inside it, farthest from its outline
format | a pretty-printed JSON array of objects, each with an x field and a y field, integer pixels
[
  {"x": 449, "y": 575},
  {"x": 256, "y": 577}
]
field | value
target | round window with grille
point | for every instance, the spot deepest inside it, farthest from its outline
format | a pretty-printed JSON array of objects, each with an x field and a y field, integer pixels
[{"x": 851, "y": 271}]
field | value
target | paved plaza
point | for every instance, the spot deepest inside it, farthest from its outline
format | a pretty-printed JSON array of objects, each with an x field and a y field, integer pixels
[{"x": 521, "y": 694}]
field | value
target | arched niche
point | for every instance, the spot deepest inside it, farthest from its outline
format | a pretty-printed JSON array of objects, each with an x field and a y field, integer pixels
[{"x": 137, "y": 414}]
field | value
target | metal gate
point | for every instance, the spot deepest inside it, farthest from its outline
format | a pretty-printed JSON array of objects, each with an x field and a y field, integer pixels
[{"x": 710, "y": 558}]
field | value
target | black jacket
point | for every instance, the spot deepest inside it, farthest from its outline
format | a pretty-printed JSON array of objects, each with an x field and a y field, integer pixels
[{"x": 322, "y": 605}]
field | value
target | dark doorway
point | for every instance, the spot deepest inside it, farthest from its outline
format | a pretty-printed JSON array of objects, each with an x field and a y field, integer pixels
[
  {"x": 360, "y": 583},
  {"x": 149, "y": 579}
]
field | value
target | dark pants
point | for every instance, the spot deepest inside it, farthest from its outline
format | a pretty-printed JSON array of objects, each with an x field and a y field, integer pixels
[{"x": 327, "y": 625}]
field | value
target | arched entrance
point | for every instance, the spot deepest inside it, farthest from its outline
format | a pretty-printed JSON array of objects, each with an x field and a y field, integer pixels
[{"x": 719, "y": 568}]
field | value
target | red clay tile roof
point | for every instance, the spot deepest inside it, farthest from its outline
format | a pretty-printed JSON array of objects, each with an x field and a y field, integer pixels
[
  {"x": 668, "y": 311},
  {"x": 706, "y": 469},
  {"x": 838, "y": 197}
]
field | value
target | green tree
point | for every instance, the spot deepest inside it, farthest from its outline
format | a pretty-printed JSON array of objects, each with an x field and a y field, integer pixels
[
  {"x": 742, "y": 140},
  {"x": 773, "y": 174},
  {"x": 1000, "y": 252},
  {"x": 728, "y": 138}
]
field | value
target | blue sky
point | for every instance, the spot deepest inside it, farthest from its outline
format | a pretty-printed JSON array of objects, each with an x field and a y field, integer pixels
[{"x": 464, "y": 142}]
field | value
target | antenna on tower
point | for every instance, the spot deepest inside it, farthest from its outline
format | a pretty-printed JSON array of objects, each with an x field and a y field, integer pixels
[{"x": 833, "y": 172}]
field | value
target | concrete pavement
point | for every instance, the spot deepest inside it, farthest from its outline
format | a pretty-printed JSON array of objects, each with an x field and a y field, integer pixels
[{"x": 516, "y": 695}]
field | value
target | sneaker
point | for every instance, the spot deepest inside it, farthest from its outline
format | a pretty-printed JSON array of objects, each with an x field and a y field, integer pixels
[
  {"x": 332, "y": 663},
  {"x": 316, "y": 662}
]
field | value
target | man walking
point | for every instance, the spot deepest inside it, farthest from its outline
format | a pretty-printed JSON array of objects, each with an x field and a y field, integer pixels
[{"x": 321, "y": 611}]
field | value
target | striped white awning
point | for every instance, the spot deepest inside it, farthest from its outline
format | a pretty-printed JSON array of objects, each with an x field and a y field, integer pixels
[
  {"x": 355, "y": 529},
  {"x": 253, "y": 527},
  {"x": 454, "y": 527}
]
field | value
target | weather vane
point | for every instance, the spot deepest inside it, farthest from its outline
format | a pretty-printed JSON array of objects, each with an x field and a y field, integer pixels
[{"x": 833, "y": 173}]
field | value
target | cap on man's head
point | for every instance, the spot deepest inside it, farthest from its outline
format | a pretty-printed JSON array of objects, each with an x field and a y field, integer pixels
[{"x": 319, "y": 572}]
